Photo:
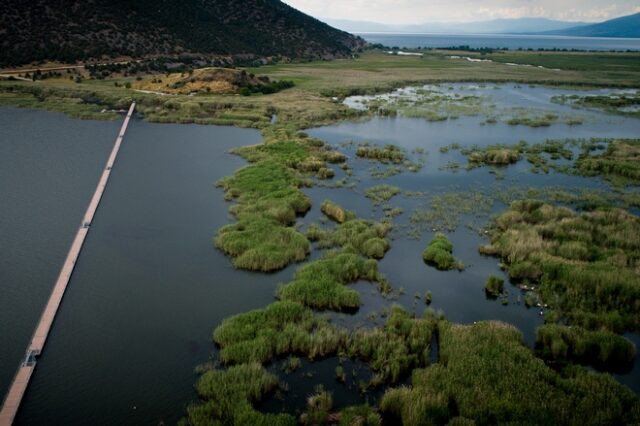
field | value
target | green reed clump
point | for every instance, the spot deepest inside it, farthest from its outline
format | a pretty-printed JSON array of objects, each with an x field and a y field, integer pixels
[
  {"x": 600, "y": 348},
  {"x": 494, "y": 286},
  {"x": 620, "y": 163},
  {"x": 586, "y": 263},
  {"x": 494, "y": 156},
  {"x": 319, "y": 406},
  {"x": 386, "y": 154},
  {"x": 322, "y": 284},
  {"x": 394, "y": 350},
  {"x": 268, "y": 202},
  {"x": 381, "y": 193},
  {"x": 544, "y": 120},
  {"x": 487, "y": 375},
  {"x": 227, "y": 397},
  {"x": 359, "y": 415},
  {"x": 439, "y": 253},
  {"x": 622, "y": 104},
  {"x": 279, "y": 329},
  {"x": 334, "y": 212},
  {"x": 269, "y": 199},
  {"x": 445, "y": 210},
  {"x": 262, "y": 244},
  {"x": 356, "y": 235}
]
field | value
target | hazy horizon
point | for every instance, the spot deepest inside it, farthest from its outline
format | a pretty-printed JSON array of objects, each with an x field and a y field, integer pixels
[{"x": 413, "y": 12}]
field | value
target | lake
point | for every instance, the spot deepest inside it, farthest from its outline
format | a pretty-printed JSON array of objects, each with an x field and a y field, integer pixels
[
  {"x": 498, "y": 41},
  {"x": 150, "y": 286}
]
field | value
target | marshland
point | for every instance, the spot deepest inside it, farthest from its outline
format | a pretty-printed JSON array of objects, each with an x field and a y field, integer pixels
[{"x": 402, "y": 253}]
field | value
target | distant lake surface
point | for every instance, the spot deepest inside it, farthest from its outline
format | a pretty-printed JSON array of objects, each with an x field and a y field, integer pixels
[{"x": 510, "y": 41}]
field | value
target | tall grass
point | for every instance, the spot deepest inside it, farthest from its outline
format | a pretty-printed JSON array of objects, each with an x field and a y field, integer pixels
[
  {"x": 620, "y": 163},
  {"x": 586, "y": 263},
  {"x": 601, "y": 348},
  {"x": 322, "y": 284},
  {"x": 279, "y": 329},
  {"x": 335, "y": 212},
  {"x": 392, "y": 352},
  {"x": 486, "y": 374},
  {"x": 355, "y": 235},
  {"x": 381, "y": 193},
  {"x": 439, "y": 253},
  {"x": 269, "y": 199},
  {"x": 227, "y": 398}
]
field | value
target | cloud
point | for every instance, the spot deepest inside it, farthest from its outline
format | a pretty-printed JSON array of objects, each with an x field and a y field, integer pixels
[{"x": 420, "y": 11}]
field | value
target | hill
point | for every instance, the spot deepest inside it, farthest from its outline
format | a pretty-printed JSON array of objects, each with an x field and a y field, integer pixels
[
  {"x": 71, "y": 30},
  {"x": 626, "y": 26}
]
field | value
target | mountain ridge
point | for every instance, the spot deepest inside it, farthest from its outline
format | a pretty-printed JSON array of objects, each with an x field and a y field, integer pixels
[
  {"x": 494, "y": 26},
  {"x": 72, "y": 30},
  {"x": 625, "y": 26}
]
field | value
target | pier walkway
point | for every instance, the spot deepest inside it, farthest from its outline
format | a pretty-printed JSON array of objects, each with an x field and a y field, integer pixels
[{"x": 21, "y": 380}]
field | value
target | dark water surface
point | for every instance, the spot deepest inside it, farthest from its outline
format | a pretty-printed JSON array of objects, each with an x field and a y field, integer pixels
[
  {"x": 149, "y": 286},
  {"x": 510, "y": 41}
]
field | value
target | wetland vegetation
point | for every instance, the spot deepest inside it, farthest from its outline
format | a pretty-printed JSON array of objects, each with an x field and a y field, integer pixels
[
  {"x": 439, "y": 253},
  {"x": 579, "y": 264},
  {"x": 585, "y": 263}
]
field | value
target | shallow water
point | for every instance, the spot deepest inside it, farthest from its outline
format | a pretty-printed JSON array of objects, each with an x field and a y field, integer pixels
[
  {"x": 149, "y": 286},
  {"x": 460, "y": 294}
]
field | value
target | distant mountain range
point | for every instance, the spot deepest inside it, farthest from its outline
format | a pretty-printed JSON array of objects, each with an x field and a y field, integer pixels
[
  {"x": 71, "y": 30},
  {"x": 628, "y": 26},
  {"x": 496, "y": 26}
]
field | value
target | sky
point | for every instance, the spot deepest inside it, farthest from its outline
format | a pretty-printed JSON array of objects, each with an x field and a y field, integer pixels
[{"x": 421, "y": 11}]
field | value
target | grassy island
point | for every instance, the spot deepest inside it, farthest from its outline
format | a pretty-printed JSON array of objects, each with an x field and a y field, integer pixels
[
  {"x": 439, "y": 253},
  {"x": 586, "y": 264}
]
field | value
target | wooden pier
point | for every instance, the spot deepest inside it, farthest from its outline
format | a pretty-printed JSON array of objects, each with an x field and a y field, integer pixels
[{"x": 21, "y": 381}]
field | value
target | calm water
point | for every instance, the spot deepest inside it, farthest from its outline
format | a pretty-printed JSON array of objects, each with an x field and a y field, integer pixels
[
  {"x": 510, "y": 41},
  {"x": 460, "y": 294},
  {"x": 150, "y": 287}
]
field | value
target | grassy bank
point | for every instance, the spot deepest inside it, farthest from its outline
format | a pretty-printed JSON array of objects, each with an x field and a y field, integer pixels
[{"x": 309, "y": 102}]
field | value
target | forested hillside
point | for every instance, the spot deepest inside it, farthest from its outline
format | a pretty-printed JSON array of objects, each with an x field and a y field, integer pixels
[{"x": 71, "y": 30}]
